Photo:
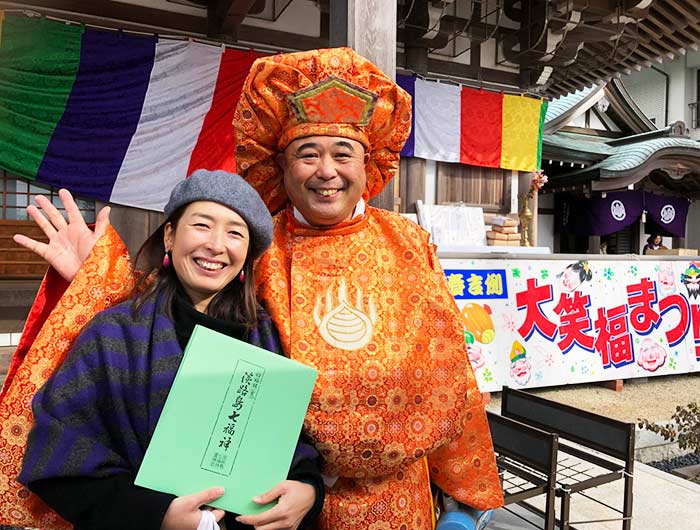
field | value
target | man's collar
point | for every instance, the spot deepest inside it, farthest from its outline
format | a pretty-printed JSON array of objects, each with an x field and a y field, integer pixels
[{"x": 359, "y": 210}]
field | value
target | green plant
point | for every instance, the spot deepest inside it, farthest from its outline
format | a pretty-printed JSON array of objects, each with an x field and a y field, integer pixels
[{"x": 685, "y": 427}]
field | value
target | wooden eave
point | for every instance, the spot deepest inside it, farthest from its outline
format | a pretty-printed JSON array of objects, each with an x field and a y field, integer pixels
[{"x": 663, "y": 32}]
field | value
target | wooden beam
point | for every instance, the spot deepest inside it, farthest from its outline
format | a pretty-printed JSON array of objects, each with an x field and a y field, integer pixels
[
  {"x": 654, "y": 47},
  {"x": 569, "y": 84},
  {"x": 226, "y": 16},
  {"x": 280, "y": 39},
  {"x": 598, "y": 65},
  {"x": 659, "y": 39},
  {"x": 139, "y": 18},
  {"x": 568, "y": 81},
  {"x": 644, "y": 53},
  {"x": 117, "y": 15},
  {"x": 693, "y": 18},
  {"x": 684, "y": 27},
  {"x": 678, "y": 21},
  {"x": 594, "y": 77},
  {"x": 467, "y": 71}
]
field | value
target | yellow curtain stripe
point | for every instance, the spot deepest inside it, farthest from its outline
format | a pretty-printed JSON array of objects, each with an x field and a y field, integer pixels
[{"x": 521, "y": 123}]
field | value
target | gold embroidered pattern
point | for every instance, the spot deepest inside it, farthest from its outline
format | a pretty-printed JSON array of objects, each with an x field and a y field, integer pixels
[{"x": 344, "y": 326}]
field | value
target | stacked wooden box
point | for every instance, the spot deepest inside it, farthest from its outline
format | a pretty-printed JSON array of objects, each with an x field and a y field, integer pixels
[{"x": 503, "y": 233}]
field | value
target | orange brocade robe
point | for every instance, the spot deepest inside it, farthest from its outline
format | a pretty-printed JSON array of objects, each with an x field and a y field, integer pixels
[{"x": 367, "y": 304}]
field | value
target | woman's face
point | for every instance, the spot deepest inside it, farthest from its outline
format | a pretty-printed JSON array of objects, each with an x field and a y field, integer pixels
[
  {"x": 570, "y": 280},
  {"x": 208, "y": 249},
  {"x": 657, "y": 240}
]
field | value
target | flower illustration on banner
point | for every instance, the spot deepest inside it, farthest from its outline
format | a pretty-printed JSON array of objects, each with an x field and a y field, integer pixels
[
  {"x": 672, "y": 363},
  {"x": 539, "y": 179},
  {"x": 488, "y": 375},
  {"x": 516, "y": 272},
  {"x": 509, "y": 323},
  {"x": 549, "y": 359},
  {"x": 608, "y": 273},
  {"x": 544, "y": 274},
  {"x": 633, "y": 270}
]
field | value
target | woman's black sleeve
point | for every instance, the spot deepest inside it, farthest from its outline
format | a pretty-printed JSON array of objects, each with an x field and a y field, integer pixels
[
  {"x": 306, "y": 467},
  {"x": 110, "y": 503}
]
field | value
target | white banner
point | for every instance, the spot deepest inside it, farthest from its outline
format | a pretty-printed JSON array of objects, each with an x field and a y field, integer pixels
[{"x": 533, "y": 323}]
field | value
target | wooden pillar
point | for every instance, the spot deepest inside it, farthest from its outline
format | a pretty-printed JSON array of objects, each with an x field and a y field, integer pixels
[
  {"x": 412, "y": 183},
  {"x": 133, "y": 225},
  {"x": 369, "y": 27}
]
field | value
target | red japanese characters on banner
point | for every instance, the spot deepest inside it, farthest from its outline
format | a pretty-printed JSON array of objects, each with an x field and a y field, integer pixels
[{"x": 566, "y": 322}]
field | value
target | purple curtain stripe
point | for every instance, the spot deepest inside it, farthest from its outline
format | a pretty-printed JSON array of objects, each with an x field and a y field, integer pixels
[
  {"x": 408, "y": 83},
  {"x": 90, "y": 141}
]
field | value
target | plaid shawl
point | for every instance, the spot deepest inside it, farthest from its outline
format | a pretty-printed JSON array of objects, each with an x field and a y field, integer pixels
[{"x": 96, "y": 414}]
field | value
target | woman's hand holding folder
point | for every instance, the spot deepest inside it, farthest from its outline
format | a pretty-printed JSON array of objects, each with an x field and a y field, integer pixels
[
  {"x": 184, "y": 512},
  {"x": 295, "y": 500}
]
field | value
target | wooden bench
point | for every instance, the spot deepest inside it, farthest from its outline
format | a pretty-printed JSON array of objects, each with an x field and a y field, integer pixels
[
  {"x": 593, "y": 450},
  {"x": 527, "y": 464}
]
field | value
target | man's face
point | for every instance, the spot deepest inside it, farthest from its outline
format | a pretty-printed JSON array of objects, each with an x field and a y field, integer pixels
[{"x": 324, "y": 177}]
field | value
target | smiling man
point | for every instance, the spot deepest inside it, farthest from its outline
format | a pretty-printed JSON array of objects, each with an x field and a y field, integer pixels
[
  {"x": 356, "y": 292},
  {"x": 324, "y": 177}
]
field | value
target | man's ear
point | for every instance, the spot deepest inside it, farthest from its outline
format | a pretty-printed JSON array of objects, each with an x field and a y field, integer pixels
[
  {"x": 282, "y": 161},
  {"x": 366, "y": 157}
]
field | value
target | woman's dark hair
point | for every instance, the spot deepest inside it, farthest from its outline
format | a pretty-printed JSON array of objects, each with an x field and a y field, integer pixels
[
  {"x": 235, "y": 302},
  {"x": 652, "y": 238},
  {"x": 582, "y": 269}
]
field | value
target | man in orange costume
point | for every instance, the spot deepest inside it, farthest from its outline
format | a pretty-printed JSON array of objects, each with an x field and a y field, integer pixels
[{"x": 355, "y": 291}]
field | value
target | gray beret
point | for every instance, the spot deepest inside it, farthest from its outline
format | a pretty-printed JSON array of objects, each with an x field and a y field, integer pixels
[{"x": 230, "y": 190}]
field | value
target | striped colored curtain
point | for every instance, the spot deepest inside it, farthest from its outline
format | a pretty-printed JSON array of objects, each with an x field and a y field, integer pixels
[
  {"x": 476, "y": 127},
  {"x": 114, "y": 116}
]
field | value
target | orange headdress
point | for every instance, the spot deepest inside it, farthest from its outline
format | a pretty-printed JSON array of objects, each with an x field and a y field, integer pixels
[{"x": 333, "y": 92}]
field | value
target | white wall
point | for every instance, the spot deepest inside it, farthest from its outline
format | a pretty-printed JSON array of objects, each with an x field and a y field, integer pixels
[
  {"x": 692, "y": 226},
  {"x": 648, "y": 89}
]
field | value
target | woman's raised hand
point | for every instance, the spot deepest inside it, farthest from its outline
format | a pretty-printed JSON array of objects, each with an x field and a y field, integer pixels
[
  {"x": 70, "y": 242},
  {"x": 184, "y": 512},
  {"x": 295, "y": 500}
]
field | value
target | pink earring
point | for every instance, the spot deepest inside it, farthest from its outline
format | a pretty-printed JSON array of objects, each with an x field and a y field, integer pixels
[
  {"x": 166, "y": 260},
  {"x": 241, "y": 276}
]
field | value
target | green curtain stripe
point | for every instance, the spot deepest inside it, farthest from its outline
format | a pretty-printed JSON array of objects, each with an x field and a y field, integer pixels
[
  {"x": 543, "y": 113},
  {"x": 39, "y": 61}
]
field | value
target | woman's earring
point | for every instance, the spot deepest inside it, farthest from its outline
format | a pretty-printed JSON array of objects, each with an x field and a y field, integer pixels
[
  {"x": 166, "y": 259},
  {"x": 241, "y": 276}
]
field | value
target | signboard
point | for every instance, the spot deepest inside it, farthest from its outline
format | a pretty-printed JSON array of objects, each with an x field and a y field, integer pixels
[{"x": 533, "y": 323}]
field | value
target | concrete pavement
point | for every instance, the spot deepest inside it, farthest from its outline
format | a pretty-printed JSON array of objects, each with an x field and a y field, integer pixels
[{"x": 661, "y": 502}]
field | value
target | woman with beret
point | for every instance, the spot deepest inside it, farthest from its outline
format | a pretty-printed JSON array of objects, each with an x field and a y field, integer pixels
[{"x": 96, "y": 414}]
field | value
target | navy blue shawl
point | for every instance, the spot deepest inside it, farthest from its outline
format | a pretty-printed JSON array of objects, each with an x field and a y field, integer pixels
[{"x": 96, "y": 414}]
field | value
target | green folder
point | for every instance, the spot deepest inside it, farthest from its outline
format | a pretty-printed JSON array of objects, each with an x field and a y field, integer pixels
[{"x": 232, "y": 419}]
